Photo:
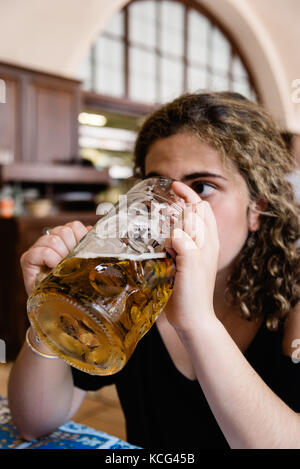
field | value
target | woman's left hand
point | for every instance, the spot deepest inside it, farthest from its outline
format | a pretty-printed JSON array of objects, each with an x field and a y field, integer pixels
[{"x": 196, "y": 248}]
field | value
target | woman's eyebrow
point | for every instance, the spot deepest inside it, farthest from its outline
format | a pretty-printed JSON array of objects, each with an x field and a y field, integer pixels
[
  {"x": 188, "y": 177},
  {"x": 153, "y": 174}
]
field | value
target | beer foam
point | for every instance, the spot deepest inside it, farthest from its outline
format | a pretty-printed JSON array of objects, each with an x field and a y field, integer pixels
[{"x": 124, "y": 255}]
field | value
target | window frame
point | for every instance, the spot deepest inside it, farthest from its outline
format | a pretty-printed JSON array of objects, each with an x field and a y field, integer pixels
[{"x": 125, "y": 104}]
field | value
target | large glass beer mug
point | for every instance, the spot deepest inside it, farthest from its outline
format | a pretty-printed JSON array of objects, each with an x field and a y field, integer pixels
[{"x": 94, "y": 307}]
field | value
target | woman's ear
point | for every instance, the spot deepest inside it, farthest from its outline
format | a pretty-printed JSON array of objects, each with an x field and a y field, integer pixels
[{"x": 254, "y": 211}]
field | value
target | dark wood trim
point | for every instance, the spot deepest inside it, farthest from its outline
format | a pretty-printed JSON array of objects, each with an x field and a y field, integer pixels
[
  {"x": 27, "y": 126},
  {"x": 43, "y": 173},
  {"x": 74, "y": 124},
  {"x": 17, "y": 70},
  {"x": 124, "y": 106}
]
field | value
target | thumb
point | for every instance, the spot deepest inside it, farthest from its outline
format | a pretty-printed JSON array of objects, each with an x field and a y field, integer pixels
[{"x": 185, "y": 192}]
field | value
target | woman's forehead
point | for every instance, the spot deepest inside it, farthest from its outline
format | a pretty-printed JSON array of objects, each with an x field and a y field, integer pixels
[{"x": 185, "y": 154}]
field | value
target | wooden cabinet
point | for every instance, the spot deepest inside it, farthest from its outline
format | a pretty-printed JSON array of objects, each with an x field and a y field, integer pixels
[
  {"x": 39, "y": 118},
  {"x": 54, "y": 109},
  {"x": 16, "y": 236},
  {"x": 10, "y": 117}
]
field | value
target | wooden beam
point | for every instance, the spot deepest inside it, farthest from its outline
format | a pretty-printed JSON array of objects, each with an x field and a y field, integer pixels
[{"x": 53, "y": 174}]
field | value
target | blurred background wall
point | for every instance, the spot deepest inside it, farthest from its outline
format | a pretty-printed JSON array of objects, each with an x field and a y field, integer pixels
[{"x": 54, "y": 36}]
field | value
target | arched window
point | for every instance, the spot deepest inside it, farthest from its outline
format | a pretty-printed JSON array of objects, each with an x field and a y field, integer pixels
[{"x": 153, "y": 50}]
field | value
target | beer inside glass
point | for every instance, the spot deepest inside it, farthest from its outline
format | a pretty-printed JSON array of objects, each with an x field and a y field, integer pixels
[{"x": 95, "y": 306}]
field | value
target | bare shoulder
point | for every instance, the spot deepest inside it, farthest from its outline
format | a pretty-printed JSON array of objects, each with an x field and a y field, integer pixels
[{"x": 291, "y": 331}]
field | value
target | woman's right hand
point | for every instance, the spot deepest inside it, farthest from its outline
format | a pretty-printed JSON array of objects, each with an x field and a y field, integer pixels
[{"x": 49, "y": 250}]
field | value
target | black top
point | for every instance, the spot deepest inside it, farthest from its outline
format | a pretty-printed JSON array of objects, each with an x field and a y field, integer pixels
[{"x": 166, "y": 410}]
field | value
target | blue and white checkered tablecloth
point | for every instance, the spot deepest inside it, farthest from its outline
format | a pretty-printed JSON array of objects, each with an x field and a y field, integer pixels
[{"x": 68, "y": 436}]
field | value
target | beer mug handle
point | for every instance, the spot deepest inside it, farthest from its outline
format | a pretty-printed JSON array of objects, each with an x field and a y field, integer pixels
[{"x": 41, "y": 275}]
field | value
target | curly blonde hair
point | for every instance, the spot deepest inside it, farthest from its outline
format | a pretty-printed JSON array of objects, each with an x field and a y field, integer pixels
[{"x": 265, "y": 279}]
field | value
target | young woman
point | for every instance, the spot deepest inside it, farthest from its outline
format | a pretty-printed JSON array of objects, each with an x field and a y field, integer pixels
[{"x": 218, "y": 369}]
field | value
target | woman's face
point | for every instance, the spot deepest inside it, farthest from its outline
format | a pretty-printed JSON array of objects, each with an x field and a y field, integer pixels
[{"x": 186, "y": 158}]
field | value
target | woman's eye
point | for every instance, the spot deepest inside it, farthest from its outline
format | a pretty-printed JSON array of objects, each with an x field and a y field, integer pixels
[{"x": 203, "y": 189}]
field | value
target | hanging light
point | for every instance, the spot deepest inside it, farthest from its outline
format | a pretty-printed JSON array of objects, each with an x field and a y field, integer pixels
[{"x": 97, "y": 120}]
